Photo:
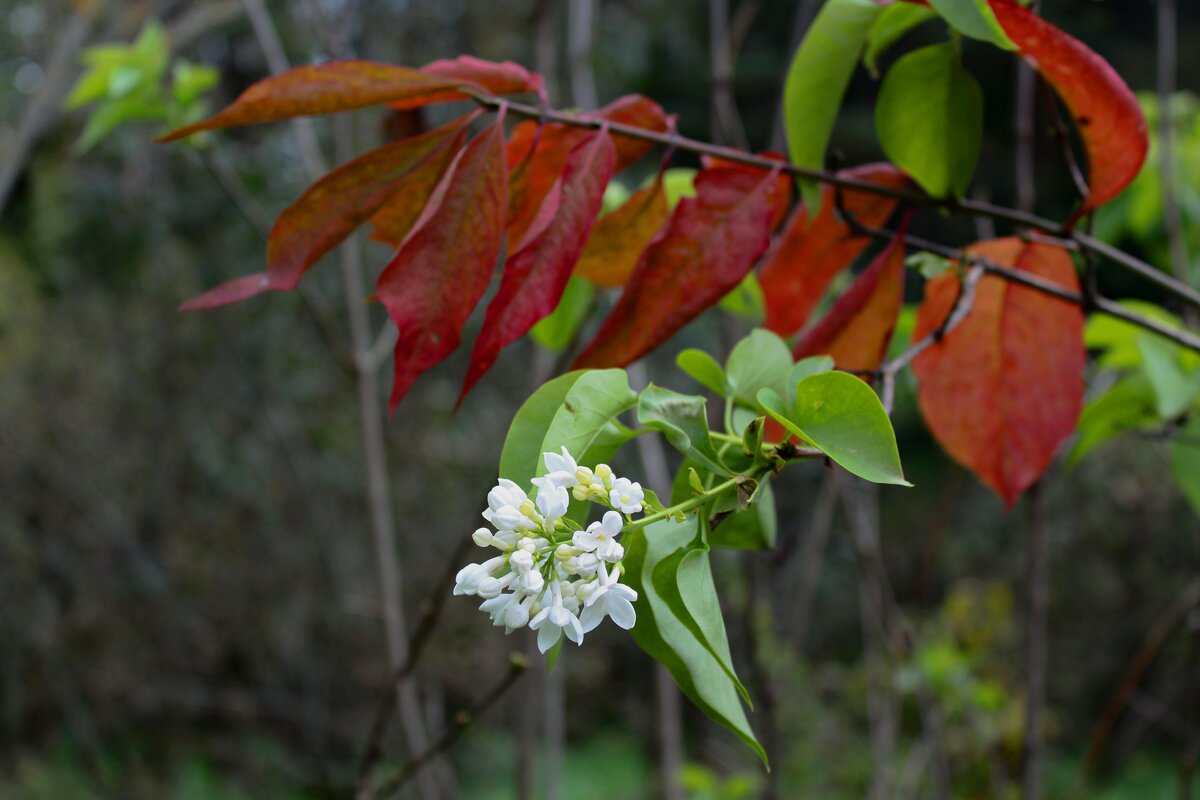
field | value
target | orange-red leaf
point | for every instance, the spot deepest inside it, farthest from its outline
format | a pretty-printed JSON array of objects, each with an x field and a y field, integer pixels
[
  {"x": 1004, "y": 388},
  {"x": 1109, "y": 119},
  {"x": 393, "y": 220},
  {"x": 337, "y": 204},
  {"x": 536, "y": 275},
  {"x": 857, "y": 330},
  {"x": 783, "y": 181},
  {"x": 810, "y": 253},
  {"x": 709, "y": 244},
  {"x": 445, "y": 265},
  {"x": 533, "y": 174},
  {"x": 322, "y": 89},
  {"x": 504, "y": 77},
  {"x": 620, "y": 237}
]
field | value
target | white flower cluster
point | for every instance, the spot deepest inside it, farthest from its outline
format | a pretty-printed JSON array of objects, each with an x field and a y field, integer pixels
[{"x": 552, "y": 575}]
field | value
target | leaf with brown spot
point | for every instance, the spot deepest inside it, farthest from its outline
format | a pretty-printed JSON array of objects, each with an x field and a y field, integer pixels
[
  {"x": 1003, "y": 389},
  {"x": 322, "y": 89}
]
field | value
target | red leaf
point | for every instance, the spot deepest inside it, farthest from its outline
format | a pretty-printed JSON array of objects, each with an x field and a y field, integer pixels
[
  {"x": 783, "y": 186},
  {"x": 445, "y": 265},
  {"x": 337, "y": 204},
  {"x": 1004, "y": 388},
  {"x": 709, "y": 244},
  {"x": 494, "y": 77},
  {"x": 532, "y": 175},
  {"x": 809, "y": 254},
  {"x": 536, "y": 275},
  {"x": 392, "y": 221},
  {"x": 1108, "y": 116},
  {"x": 857, "y": 330},
  {"x": 620, "y": 237},
  {"x": 322, "y": 89}
]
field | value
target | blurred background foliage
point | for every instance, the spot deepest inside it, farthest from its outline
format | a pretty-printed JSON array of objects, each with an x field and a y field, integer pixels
[{"x": 188, "y": 601}]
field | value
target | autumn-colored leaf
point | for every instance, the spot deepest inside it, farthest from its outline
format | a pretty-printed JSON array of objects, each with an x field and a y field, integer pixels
[
  {"x": 1107, "y": 114},
  {"x": 1004, "y": 387},
  {"x": 497, "y": 78},
  {"x": 532, "y": 174},
  {"x": 445, "y": 265},
  {"x": 322, "y": 89},
  {"x": 337, "y": 204},
  {"x": 536, "y": 275},
  {"x": 783, "y": 182},
  {"x": 393, "y": 220},
  {"x": 857, "y": 330},
  {"x": 620, "y": 237},
  {"x": 809, "y": 253},
  {"x": 709, "y": 244}
]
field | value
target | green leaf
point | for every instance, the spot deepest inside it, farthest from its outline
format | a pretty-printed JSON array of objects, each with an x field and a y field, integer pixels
[
  {"x": 746, "y": 300},
  {"x": 929, "y": 117},
  {"x": 761, "y": 360},
  {"x": 683, "y": 420},
  {"x": 928, "y": 264},
  {"x": 577, "y": 410},
  {"x": 1127, "y": 405},
  {"x": 1118, "y": 338},
  {"x": 895, "y": 21},
  {"x": 1185, "y": 462},
  {"x": 556, "y": 331},
  {"x": 678, "y": 183},
  {"x": 522, "y": 452},
  {"x": 189, "y": 81},
  {"x": 973, "y": 18},
  {"x": 662, "y": 632},
  {"x": 751, "y": 529},
  {"x": 586, "y": 422},
  {"x": 813, "y": 365},
  {"x": 1174, "y": 389},
  {"x": 703, "y": 368},
  {"x": 816, "y": 82},
  {"x": 843, "y": 418}
]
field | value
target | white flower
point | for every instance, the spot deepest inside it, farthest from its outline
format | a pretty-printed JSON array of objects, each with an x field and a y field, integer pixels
[
  {"x": 561, "y": 469},
  {"x": 609, "y": 599},
  {"x": 531, "y": 582},
  {"x": 504, "y": 507},
  {"x": 626, "y": 495},
  {"x": 554, "y": 620},
  {"x": 490, "y": 587},
  {"x": 472, "y": 576},
  {"x": 584, "y": 565},
  {"x": 552, "y": 500},
  {"x": 506, "y": 610},
  {"x": 600, "y": 537},
  {"x": 521, "y": 561}
]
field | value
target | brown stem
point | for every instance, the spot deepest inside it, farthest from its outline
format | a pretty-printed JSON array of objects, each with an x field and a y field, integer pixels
[
  {"x": 375, "y": 458},
  {"x": 1167, "y": 67},
  {"x": 462, "y": 721},
  {"x": 1038, "y": 577}
]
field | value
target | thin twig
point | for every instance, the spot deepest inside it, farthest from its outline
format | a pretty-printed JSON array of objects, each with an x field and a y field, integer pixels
[
  {"x": 1168, "y": 64},
  {"x": 1038, "y": 577},
  {"x": 462, "y": 721},
  {"x": 386, "y": 705}
]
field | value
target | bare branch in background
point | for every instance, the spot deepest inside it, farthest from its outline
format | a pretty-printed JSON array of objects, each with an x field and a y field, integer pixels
[
  {"x": 1168, "y": 67},
  {"x": 1037, "y": 576},
  {"x": 378, "y": 490}
]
